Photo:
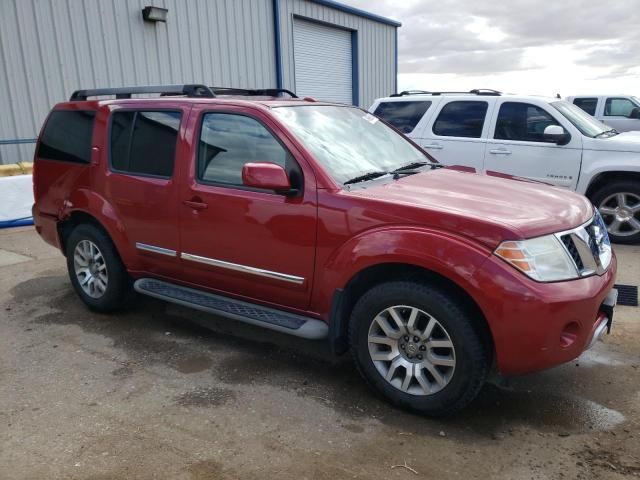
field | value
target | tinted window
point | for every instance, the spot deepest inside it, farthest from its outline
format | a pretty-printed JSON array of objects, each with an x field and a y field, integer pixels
[
  {"x": 229, "y": 141},
  {"x": 618, "y": 107},
  {"x": 461, "y": 119},
  {"x": 402, "y": 115},
  {"x": 144, "y": 143},
  {"x": 522, "y": 121},
  {"x": 67, "y": 136},
  {"x": 586, "y": 104}
]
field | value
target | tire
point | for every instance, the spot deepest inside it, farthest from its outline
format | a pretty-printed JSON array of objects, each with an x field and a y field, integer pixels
[
  {"x": 92, "y": 259},
  {"x": 623, "y": 222},
  {"x": 458, "y": 385}
]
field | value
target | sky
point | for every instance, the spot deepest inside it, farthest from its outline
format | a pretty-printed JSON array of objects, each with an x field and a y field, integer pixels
[{"x": 570, "y": 47}]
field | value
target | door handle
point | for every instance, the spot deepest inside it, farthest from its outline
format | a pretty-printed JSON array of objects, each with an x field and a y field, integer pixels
[
  {"x": 500, "y": 151},
  {"x": 433, "y": 146},
  {"x": 195, "y": 203}
]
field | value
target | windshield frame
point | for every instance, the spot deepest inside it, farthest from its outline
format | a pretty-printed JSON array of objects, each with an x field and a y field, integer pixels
[{"x": 291, "y": 128}]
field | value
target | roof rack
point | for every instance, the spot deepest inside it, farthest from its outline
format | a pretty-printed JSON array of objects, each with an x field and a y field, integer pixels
[
  {"x": 252, "y": 92},
  {"x": 475, "y": 91},
  {"x": 189, "y": 90}
]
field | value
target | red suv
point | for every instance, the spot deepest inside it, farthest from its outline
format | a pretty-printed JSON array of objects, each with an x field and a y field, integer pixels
[{"x": 322, "y": 221}]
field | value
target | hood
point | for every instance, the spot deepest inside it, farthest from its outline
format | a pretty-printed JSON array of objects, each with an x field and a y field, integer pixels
[
  {"x": 623, "y": 142},
  {"x": 483, "y": 207}
]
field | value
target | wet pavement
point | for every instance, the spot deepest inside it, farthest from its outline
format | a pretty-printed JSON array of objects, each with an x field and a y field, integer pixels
[{"x": 162, "y": 391}]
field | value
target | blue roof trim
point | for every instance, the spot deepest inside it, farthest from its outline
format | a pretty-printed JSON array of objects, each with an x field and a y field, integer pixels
[{"x": 358, "y": 12}]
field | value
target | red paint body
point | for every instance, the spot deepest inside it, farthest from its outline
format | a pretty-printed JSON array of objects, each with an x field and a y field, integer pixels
[{"x": 446, "y": 221}]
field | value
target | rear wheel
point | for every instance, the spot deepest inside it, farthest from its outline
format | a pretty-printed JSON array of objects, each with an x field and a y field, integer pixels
[
  {"x": 619, "y": 205},
  {"x": 418, "y": 348},
  {"x": 95, "y": 269}
]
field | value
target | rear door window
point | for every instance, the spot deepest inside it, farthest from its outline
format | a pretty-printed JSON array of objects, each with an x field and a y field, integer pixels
[
  {"x": 587, "y": 104},
  {"x": 461, "y": 119},
  {"x": 402, "y": 115},
  {"x": 67, "y": 136},
  {"x": 144, "y": 142},
  {"x": 523, "y": 122}
]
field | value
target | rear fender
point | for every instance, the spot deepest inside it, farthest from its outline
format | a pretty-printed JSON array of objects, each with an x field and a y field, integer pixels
[{"x": 96, "y": 206}]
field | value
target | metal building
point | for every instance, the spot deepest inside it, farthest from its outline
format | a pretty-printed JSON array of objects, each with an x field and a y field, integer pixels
[{"x": 317, "y": 48}]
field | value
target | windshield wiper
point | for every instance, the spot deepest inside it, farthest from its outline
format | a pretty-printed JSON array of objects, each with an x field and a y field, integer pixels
[
  {"x": 414, "y": 165},
  {"x": 365, "y": 177},
  {"x": 613, "y": 130}
]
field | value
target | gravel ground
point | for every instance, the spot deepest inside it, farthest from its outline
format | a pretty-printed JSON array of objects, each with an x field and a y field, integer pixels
[{"x": 152, "y": 393}]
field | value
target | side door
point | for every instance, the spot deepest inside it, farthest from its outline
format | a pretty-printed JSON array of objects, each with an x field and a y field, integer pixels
[
  {"x": 458, "y": 132},
  {"x": 139, "y": 181},
  {"x": 617, "y": 112},
  {"x": 517, "y": 146},
  {"x": 255, "y": 244}
]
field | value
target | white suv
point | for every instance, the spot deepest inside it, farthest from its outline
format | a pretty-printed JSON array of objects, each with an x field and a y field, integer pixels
[
  {"x": 544, "y": 139},
  {"x": 621, "y": 112}
]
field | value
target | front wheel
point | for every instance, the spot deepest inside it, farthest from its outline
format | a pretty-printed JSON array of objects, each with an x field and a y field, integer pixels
[
  {"x": 416, "y": 346},
  {"x": 619, "y": 205}
]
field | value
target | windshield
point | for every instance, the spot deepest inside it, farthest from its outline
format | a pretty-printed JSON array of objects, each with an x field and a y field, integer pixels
[
  {"x": 584, "y": 122},
  {"x": 347, "y": 141}
]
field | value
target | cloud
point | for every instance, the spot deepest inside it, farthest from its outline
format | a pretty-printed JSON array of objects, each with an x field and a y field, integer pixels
[{"x": 476, "y": 36}]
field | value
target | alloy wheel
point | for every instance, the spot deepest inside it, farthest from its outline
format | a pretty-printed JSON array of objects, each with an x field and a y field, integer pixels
[
  {"x": 90, "y": 269},
  {"x": 411, "y": 350},
  {"x": 621, "y": 213}
]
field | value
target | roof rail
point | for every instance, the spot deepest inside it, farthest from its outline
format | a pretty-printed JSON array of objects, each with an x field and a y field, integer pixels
[
  {"x": 475, "y": 91},
  {"x": 411, "y": 92},
  {"x": 189, "y": 90},
  {"x": 252, "y": 92}
]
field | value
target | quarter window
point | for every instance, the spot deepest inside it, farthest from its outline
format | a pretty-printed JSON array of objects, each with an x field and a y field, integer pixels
[
  {"x": 67, "y": 136},
  {"x": 618, "y": 107},
  {"x": 523, "y": 122},
  {"x": 229, "y": 141},
  {"x": 402, "y": 115},
  {"x": 586, "y": 104},
  {"x": 144, "y": 142},
  {"x": 461, "y": 119}
]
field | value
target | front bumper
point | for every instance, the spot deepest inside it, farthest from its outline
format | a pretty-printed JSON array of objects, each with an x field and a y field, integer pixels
[{"x": 540, "y": 325}]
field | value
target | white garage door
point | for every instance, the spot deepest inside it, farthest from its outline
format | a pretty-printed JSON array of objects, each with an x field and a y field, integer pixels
[{"x": 322, "y": 62}]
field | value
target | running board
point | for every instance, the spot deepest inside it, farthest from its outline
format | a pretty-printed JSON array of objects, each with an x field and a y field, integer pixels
[{"x": 270, "y": 318}]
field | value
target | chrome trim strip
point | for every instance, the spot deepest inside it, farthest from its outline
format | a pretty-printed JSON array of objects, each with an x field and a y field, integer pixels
[
  {"x": 243, "y": 268},
  {"x": 154, "y": 249}
]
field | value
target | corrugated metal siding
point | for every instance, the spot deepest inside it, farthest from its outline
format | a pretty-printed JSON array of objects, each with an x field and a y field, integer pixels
[
  {"x": 376, "y": 47},
  {"x": 48, "y": 49},
  {"x": 323, "y": 61}
]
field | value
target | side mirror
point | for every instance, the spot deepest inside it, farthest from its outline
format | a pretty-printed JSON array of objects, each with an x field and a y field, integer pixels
[
  {"x": 556, "y": 134},
  {"x": 268, "y": 176},
  {"x": 635, "y": 113}
]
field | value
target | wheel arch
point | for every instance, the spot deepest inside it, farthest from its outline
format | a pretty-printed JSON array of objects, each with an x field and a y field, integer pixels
[
  {"x": 605, "y": 178},
  {"x": 345, "y": 298}
]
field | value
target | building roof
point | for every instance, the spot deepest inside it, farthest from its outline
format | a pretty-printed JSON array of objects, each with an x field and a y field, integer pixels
[{"x": 356, "y": 11}]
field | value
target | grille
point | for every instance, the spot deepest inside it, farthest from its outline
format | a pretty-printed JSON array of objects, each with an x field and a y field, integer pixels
[{"x": 573, "y": 251}]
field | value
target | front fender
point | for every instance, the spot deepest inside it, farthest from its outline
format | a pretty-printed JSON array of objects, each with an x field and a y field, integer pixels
[
  {"x": 453, "y": 257},
  {"x": 96, "y": 206}
]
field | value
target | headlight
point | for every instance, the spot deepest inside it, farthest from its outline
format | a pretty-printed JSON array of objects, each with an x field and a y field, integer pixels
[{"x": 544, "y": 258}]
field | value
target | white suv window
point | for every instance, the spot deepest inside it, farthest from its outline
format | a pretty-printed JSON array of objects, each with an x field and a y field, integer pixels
[
  {"x": 461, "y": 119},
  {"x": 523, "y": 122},
  {"x": 618, "y": 107},
  {"x": 402, "y": 115}
]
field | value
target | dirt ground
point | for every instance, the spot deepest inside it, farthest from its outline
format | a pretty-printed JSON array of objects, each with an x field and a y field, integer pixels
[{"x": 151, "y": 393}]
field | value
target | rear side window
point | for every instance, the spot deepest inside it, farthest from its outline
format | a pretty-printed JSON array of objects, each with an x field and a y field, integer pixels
[
  {"x": 67, "y": 136},
  {"x": 402, "y": 115},
  {"x": 144, "y": 142},
  {"x": 228, "y": 141},
  {"x": 586, "y": 104},
  {"x": 523, "y": 122},
  {"x": 461, "y": 119}
]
